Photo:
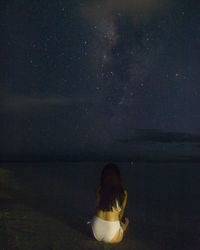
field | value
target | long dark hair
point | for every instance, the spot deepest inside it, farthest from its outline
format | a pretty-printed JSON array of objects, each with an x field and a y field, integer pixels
[{"x": 110, "y": 188}]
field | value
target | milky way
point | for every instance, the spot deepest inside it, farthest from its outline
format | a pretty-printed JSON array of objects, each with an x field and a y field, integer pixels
[
  {"x": 85, "y": 75},
  {"x": 136, "y": 70}
]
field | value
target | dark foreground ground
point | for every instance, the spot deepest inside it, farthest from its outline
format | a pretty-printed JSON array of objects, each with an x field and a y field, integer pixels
[{"x": 47, "y": 205}]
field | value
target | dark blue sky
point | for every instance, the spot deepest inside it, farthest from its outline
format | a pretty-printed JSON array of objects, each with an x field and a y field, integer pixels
[{"x": 100, "y": 80}]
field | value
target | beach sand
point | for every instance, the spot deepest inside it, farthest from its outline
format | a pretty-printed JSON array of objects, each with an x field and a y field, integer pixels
[{"x": 47, "y": 206}]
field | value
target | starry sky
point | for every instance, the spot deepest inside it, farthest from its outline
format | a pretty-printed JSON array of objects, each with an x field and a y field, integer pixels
[{"x": 100, "y": 80}]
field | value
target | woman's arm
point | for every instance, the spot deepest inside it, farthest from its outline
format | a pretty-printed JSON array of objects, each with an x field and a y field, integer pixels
[{"x": 121, "y": 213}]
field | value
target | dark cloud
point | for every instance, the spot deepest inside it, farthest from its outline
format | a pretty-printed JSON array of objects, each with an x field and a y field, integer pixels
[
  {"x": 157, "y": 135},
  {"x": 22, "y": 103}
]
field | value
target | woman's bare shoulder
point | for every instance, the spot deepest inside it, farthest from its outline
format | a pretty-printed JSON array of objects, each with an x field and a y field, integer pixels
[{"x": 125, "y": 192}]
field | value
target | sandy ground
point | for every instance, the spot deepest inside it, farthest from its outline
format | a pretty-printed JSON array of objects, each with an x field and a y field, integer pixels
[
  {"x": 23, "y": 226},
  {"x": 33, "y": 220}
]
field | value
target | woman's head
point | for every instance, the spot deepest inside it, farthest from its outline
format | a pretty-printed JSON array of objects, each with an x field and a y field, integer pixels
[
  {"x": 111, "y": 187},
  {"x": 110, "y": 175}
]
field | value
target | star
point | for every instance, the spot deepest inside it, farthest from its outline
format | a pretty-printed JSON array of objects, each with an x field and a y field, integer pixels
[
  {"x": 63, "y": 79},
  {"x": 122, "y": 101}
]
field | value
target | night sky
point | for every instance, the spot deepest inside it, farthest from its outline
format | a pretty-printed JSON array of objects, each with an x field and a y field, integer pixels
[{"x": 100, "y": 80}]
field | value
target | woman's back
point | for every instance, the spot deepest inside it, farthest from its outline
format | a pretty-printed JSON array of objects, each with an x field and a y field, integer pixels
[
  {"x": 114, "y": 214},
  {"x": 111, "y": 201}
]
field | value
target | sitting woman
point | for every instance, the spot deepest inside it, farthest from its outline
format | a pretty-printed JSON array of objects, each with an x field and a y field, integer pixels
[{"x": 111, "y": 202}]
